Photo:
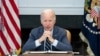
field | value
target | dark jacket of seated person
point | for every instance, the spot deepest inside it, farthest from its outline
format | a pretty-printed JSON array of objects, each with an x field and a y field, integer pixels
[
  {"x": 59, "y": 35},
  {"x": 47, "y": 37}
]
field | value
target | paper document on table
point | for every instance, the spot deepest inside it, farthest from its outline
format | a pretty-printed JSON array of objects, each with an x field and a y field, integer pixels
[
  {"x": 48, "y": 52},
  {"x": 57, "y": 51}
]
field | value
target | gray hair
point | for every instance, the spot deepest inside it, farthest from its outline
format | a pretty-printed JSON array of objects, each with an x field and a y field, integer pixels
[{"x": 46, "y": 11}]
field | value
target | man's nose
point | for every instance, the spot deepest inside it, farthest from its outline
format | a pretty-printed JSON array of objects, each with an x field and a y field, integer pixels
[{"x": 48, "y": 23}]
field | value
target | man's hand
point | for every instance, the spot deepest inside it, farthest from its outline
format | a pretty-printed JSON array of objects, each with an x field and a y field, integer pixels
[
  {"x": 46, "y": 34},
  {"x": 42, "y": 38},
  {"x": 49, "y": 36}
]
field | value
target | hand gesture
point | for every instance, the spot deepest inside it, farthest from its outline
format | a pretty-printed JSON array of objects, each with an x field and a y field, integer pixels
[{"x": 46, "y": 34}]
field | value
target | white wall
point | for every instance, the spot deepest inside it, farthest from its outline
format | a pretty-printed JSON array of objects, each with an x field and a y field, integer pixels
[{"x": 61, "y": 7}]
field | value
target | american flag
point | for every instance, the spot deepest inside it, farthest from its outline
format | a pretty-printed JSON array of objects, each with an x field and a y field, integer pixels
[
  {"x": 10, "y": 31},
  {"x": 90, "y": 34},
  {"x": 95, "y": 12}
]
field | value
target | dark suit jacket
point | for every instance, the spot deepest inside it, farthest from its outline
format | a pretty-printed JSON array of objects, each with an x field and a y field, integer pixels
[{"x": 58, "y": 34}]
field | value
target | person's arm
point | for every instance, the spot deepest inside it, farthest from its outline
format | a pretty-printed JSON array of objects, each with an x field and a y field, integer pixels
[
  {"x": 64, "y": 44},
  {"x": 31, "y": 44}
]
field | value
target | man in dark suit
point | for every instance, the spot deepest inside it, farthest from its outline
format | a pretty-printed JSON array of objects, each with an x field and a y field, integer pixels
[{"x": 56, "y": 35}]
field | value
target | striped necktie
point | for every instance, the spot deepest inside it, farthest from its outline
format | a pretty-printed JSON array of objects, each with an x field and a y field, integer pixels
[{"x": 47, "y": 45}]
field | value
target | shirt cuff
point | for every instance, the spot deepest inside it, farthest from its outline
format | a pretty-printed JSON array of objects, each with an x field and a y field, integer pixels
[
  {"x": 55, "y": 42},
  {"x": 37, "y": 43}
]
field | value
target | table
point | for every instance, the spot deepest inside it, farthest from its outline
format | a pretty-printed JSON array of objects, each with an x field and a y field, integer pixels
[{"x": 48, "y": 53}]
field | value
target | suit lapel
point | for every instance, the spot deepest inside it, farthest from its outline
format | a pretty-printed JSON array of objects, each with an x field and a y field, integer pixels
[
  {"x": 41, "y": 30},
  {"x": 55, "y": 31}
]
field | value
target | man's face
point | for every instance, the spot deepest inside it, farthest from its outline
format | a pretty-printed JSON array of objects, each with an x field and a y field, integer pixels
[{"x": 48, "y": 21}]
